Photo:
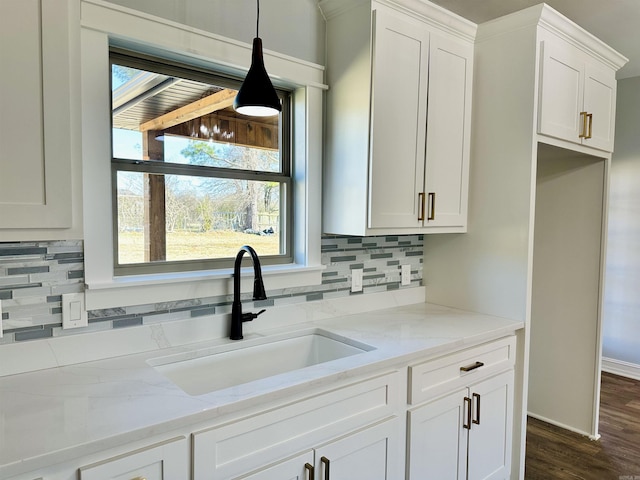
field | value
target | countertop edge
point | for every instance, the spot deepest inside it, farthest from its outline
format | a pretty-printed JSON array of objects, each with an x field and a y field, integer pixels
[{"x": 226, "y": 411}]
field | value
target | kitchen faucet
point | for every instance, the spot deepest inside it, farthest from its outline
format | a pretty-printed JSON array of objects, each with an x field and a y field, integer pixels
[{"x": 237, "y": 317}]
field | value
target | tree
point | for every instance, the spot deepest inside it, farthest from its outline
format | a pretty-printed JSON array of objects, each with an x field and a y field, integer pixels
[
  {"x": 178, "y": 204},
  {"x": 130, "y": 202},
  {"x": 245, "y": 196}
]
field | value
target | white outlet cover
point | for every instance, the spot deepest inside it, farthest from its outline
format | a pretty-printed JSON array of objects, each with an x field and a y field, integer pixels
[
  {"x": 356, "y": 280},
  {"x": 74, "y": 313},
  {"x": 405, "y": 275}
]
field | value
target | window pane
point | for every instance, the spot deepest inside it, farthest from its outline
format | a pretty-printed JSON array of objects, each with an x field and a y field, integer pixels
[
  {"x": 211, "y": 179},
  {"x": 177, "y": 120},
  {"x": 205, "y": 217},
  {"x": 221, "y": 155},
  {"x": 127, "y": 144}
]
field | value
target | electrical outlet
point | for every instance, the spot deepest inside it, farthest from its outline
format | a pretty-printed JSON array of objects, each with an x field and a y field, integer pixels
[
  {"x": 74, "y": 313},
  {"x": 356, "y": 280},
  {"x": 405, "y": 275}
]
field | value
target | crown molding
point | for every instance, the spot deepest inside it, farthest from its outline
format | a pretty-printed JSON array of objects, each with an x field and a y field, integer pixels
[
  {"x": 546, "y": 17},
  {"x": 423, "y": 10}
]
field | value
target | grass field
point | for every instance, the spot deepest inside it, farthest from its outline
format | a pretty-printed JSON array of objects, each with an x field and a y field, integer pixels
[{"x": 190, "y": 246}]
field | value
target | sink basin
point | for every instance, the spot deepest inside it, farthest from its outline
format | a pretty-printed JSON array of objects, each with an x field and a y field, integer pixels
[{"x": 207, "y": 370}]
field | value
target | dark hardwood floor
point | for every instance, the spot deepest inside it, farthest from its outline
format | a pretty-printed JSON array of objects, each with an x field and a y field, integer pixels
[{"x": 555, "y": 453}]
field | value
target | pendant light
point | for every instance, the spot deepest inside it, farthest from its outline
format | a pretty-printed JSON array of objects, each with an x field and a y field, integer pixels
[{"x": 256, "y": 96}]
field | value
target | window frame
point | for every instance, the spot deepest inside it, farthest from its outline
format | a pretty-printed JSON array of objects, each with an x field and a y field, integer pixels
[
  {"x": 105, "y": 25},
  {"x": 147, "y": 63}
]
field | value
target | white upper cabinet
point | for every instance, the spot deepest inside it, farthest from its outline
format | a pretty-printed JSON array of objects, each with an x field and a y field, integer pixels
[
  {"x": 561, "y": 92},
  {"x": 600, "y": 105},
  {"x": 448, "y": 133},
  {"x": 577, "y": 95},
  {"x": 399, "y": 100},
  {"x": 398, "y": 118},
  {"x": 35, "y": 124}
]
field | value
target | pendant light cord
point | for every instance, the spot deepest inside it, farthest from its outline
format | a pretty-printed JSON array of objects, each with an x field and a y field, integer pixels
[{"x": 258, "y": 19}]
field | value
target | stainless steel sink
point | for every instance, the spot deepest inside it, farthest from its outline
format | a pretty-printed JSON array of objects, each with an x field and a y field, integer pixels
[{"x": 207, "y": 370}]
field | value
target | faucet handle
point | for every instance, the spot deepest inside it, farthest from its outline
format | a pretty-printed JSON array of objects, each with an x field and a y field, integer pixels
[{"x": 247, "y": 317}]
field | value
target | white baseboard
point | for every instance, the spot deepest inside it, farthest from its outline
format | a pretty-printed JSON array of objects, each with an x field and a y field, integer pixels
[
  {"x": 619, "y": 367},
  {"x": 562, "y": 425}
]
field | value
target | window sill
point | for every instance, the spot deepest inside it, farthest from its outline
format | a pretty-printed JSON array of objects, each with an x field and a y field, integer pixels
[{"x": 168, "y": 287}]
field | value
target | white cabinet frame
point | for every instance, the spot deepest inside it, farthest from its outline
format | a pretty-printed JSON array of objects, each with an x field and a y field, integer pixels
[
  {"x": 398, "y": 118},
  {"x": 577, "y": 96},
  {"x": 39, "y": 128}
]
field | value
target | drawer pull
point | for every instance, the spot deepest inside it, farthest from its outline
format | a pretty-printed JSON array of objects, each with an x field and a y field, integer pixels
[
  {"x": 421, "y": 206},
  {"x": 311, "y": 471},
  {"x": 326, "y": 463},
  {"x": 476, "y": 397},
  {"x": 584, "y": 125},
  {"x": 473, "y": 366},
  {"x": 432, "y": 208},
  {"x": 139, "y": 478},
  {"x": 467, "y": 405}
]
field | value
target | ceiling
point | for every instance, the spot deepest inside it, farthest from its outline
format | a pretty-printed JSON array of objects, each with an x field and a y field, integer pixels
[{"x": 615, "y": 22}]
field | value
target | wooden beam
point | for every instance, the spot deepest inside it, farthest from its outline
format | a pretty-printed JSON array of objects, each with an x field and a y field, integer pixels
[
  {"x": 155, "y": 234},
  {"x": 217, "y": 101},
  {"x": 232, "y": 129}
]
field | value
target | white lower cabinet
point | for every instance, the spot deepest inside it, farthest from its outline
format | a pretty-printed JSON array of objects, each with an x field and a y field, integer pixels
[
  {"x": 459, "y": 421},
  {"x": 163, "y": 461},
  {"x": 364, "y": 455},
  {"x": 465, "y": 433},
  {"x": 437, "y": 440},
  {"x": 489, "y": 451},
  {"x": 351, "y": 433},
  {"x": 299, "y": 467}
]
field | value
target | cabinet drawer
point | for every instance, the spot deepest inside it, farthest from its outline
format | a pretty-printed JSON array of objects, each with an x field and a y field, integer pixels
[
  {"x": 251, "y": 442},
  {"x": 162, "y": 461},
  {"x": 440, "y": 375}
]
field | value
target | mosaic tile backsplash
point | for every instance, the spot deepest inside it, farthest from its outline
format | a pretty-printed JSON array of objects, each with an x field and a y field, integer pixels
[{"x": 34, "y": 275}]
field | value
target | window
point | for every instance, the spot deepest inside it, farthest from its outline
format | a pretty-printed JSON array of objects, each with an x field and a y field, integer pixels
[
  {"x": 107, "y": 31},
  {"x": 192, "y": 179}
]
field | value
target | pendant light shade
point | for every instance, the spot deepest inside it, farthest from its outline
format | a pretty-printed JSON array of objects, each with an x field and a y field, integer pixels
[{"x": 256, "y": 96}]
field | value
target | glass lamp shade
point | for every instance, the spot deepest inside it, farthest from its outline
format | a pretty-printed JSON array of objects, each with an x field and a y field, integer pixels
[{"x": 256, "y": 96}]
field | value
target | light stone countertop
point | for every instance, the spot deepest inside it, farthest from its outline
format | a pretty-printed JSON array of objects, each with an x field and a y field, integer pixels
[{"x": 59, "y": 414}]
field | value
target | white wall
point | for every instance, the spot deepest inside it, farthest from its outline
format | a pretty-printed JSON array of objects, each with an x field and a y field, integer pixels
[
  {"x": 621, "y": 336},
  {"x": 291, "y": 27}
]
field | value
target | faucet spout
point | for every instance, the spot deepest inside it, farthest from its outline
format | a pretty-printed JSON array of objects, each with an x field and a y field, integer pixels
[{"x": 237, "y": 317}]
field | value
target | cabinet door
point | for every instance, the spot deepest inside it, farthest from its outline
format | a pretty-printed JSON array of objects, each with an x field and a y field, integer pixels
[
  {"x": 448, "y": 132},
  {"x": 248, "y": 444},
  {"x": 35, "y": 138},
  {"x": 561, "y": 92},
  {"x": 370, "y": 454},
  {"x": 165, "y": 461},
  {"x": 438, "y": 440},
  {"x": 600, "y": 102},
  {"x": 491, "y": 429},
  {"x": 299, "y": 467},
  {"x": 399, "y": 110}
]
